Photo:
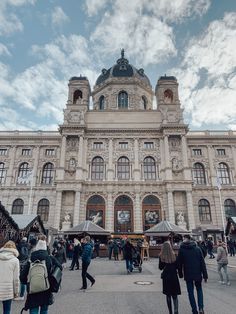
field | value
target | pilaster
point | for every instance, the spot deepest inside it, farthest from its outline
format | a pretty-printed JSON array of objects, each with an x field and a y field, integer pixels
[
  {"x": 191, "y": 219},
  {"x": 76, "y": 209},
  {"x": 171, "y": 210}
]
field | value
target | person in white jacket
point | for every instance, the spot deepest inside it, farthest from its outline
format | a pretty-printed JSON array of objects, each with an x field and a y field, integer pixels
[{"x": 9, "y": 275}]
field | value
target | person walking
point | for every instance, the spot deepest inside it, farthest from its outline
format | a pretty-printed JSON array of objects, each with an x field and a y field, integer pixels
[
  {"x": 86, "y": 259},
  {"x": 9, "y": 275},
  {"x": 76, "y": 254},
  {"x": 97, "y": 247},
  {"x": 191, "y": 261},
  {"x": 60, "y": 254},
  {"x": 222, "y": 262},
  {"x": 110, "y": 248},
  {"x": 231, "y": 247},
  {"x": 128, "y": 251},
  {"x": 116, "y": 250},
  {"x": 210, "y": 248},
  {"x": 170, "y": 280},
  {"x": 24, "y": 252},
  {"x": 41, "y": 300}
]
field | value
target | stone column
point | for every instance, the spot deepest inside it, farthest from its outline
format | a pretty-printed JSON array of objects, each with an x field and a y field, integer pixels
[
  {"x": 234, "y": 160},
  {"x": 168, "y": 172},
  {"x": 187, "y": 171},
  {"x": 162, "y": 164},
  {"x": 79, "y": 170},
  {"x": 84, "y": 170},
  {"x": 136, "y": 169},
  {"x": 10, "y": 176},
  {"x": 57, "y": 214},
  {"x": 171, "y": 210},
  {"x": 191, "y": 219},
  {"x": 60, "y": 172},
  {"x": 76, "y": 209},
  {"x": 138, "y": 221},
  {"x": 110, "y": 170},
  {"x": 35, "y": 167},
  {"x": 109, "y": 222}
]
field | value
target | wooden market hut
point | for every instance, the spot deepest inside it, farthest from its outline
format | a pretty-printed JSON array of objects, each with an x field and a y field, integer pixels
[
  {"x": 9, "y": 229},
  {"x": 161, "y": 232}
]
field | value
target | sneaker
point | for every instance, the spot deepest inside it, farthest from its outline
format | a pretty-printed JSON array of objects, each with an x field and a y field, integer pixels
[
  {"x": 228, "y": 283},
  {"x": 222, "y": 282},
  {"x": 82, "y": 288},
  {"x": 92, "y": 283},
  {"x": 201, "y": 312},
  {"x": 19, "y": 299}
]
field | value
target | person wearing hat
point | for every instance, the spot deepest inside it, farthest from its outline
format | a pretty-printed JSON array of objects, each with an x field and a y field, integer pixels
[
  {"x": 9, "y": 274},
  {"x": 40, "y": 300}
]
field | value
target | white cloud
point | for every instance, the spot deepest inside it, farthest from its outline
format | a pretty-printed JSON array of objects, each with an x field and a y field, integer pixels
[
  {"x": 207, "y": 74},
  {"x": 143, "y": 27},
  {"x": 94, "y": 6},
  {"x": 4, "y": 50},
  {"x": 9, "y": 21},
  {"x": 59, "y": 17}
]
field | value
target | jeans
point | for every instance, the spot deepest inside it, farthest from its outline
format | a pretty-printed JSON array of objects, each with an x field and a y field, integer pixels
[
  {"x": 190, "y": 288},
  {"x": 224, "y": 266},
  {"x": 43, "y": 310},
  {"x": 129, "y": 264},
  {"x": 22, "y": 290},
  {"x": 6, "y": 306},
  {"x": 86, "y": 275}
]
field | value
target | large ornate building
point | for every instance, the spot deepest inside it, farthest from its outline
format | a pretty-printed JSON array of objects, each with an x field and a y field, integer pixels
[{"x": 123, "y": 164}]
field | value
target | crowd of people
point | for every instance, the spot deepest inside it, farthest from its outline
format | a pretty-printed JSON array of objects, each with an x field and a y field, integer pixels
[{"x": 27, "y": 269}]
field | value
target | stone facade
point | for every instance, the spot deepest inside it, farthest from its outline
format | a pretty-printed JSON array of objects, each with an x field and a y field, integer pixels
[{"x": 123, "y": 163}]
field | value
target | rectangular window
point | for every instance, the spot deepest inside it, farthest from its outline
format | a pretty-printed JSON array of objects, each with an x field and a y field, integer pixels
[
  {"x": 97, "y": 145},
  {"x": 197, "y": 152},
  {"x": 148, "y": 145},
  {"x": 50, "y": 152},
  {"x": 220, "y": 152},
  {"x": 26, "y": 152},
  {"x": 123, "y": 145},
  {"x": 3, "y": 151}
]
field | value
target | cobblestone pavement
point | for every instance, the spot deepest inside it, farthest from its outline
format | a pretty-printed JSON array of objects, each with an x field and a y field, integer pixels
[{"x": 116, "y": 292}]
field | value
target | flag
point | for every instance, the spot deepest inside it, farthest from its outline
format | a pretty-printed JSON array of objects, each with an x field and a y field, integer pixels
[
  {"x": 25, "y": 178},
  {"x": 218, "y": 181}
]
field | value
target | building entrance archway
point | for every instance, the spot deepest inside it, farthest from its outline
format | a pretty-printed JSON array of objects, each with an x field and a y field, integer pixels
[
  {"x": 151, "y": 211},
  {"x": 95, "y": 210},
  {"x": 123, "y": 214}
]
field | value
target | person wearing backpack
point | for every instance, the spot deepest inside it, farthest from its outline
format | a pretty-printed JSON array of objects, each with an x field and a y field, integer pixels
[{"x": 36, "y": 275}]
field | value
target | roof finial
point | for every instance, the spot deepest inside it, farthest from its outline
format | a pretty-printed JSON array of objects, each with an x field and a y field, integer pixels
[{"x": 122, "y": 53}]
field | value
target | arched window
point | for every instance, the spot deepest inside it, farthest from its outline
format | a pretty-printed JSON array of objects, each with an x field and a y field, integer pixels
[
  {"x": 47, "y": 175},
  {"x": 144, "y": 102},
  {"x": 96, "y": 210},
  {"x": 123, "y": 214},
  {"x": 2, "y": 172},
  {"x": 24, "y": 174},
  {"x": 123, "y": 168},
  {"x": 102, "y": 103},
  {"x": 151, "y": 211},
  {"x": 204, "y": 211},
  {"x": 17, "y": 207},
  {"x": 199, "y": 174},
  {"x": 43, "y": 209},
  {"x": 97, "y": 170},
  {"x": 122, "y": 100},
  {"x": 77, "y": 94},
  {"x": 230, "y": 209},
  {"x": 149, "y": 168},
  {"x": 168, "y": 96},
  {"x": 223, "y": 173}
]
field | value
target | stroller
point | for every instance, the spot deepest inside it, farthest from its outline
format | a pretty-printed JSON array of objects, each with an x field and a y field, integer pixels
[{"x": 137, "y": 261}]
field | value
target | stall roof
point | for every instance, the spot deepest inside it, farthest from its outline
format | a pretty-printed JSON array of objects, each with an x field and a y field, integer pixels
[
  {"x": 164, "y": 228},
  {"x": 24, "y": 221},
  {"x": 88, "y": 227}
]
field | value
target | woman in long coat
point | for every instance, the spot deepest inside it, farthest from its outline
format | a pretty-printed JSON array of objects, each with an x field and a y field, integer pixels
[
  {"x": 170, "y": 280},
  {"x": 9, "y": 275}
]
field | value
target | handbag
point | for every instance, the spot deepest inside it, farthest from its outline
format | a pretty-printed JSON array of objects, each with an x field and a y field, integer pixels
[{"x": 55, "y": 279}]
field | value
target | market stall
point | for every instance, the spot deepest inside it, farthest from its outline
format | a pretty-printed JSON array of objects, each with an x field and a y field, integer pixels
[{"x": 161, "y": 232}]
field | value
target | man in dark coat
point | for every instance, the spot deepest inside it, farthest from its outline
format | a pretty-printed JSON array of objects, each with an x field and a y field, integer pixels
[
  {"x": 191, "y": 261},
  {"x": 40, "y": 300},
  {"x": 210, "y": 247},
  {"x": 86, "y": 259},
  {"x": 76, "y": 254},
  {"x": 24, "y": 250},
  {"x": 128, "y": 251}
]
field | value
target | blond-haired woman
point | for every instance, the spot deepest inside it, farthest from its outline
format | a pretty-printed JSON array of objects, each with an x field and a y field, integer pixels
[
  {"x": 9, "y": 274},
  {"x": 170, "y": 280}
]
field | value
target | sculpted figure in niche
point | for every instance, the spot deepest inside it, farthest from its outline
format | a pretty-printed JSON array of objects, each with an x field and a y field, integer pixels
[
  {"x": 72, "y": 164},
  {"x": 180, "y": 220},
  {"x": 168, "y": 96},
  {"x": 175, "y": 164},
  {"x": 67, "y": 217}
]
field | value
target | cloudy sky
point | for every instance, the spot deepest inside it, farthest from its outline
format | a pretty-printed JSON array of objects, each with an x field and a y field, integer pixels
[{"x": 45, "y": 42}]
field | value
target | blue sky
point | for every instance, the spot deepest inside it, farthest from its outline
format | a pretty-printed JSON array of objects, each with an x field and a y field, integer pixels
[{"x": 45, "y": 42}]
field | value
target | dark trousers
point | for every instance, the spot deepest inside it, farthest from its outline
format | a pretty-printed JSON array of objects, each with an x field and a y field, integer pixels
[
  {"x": 190, "y": 288},
  {"x": 75, "y": 261},
  {"x": 7, "y": 306},
  {"x": 86, "y": 275}
]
